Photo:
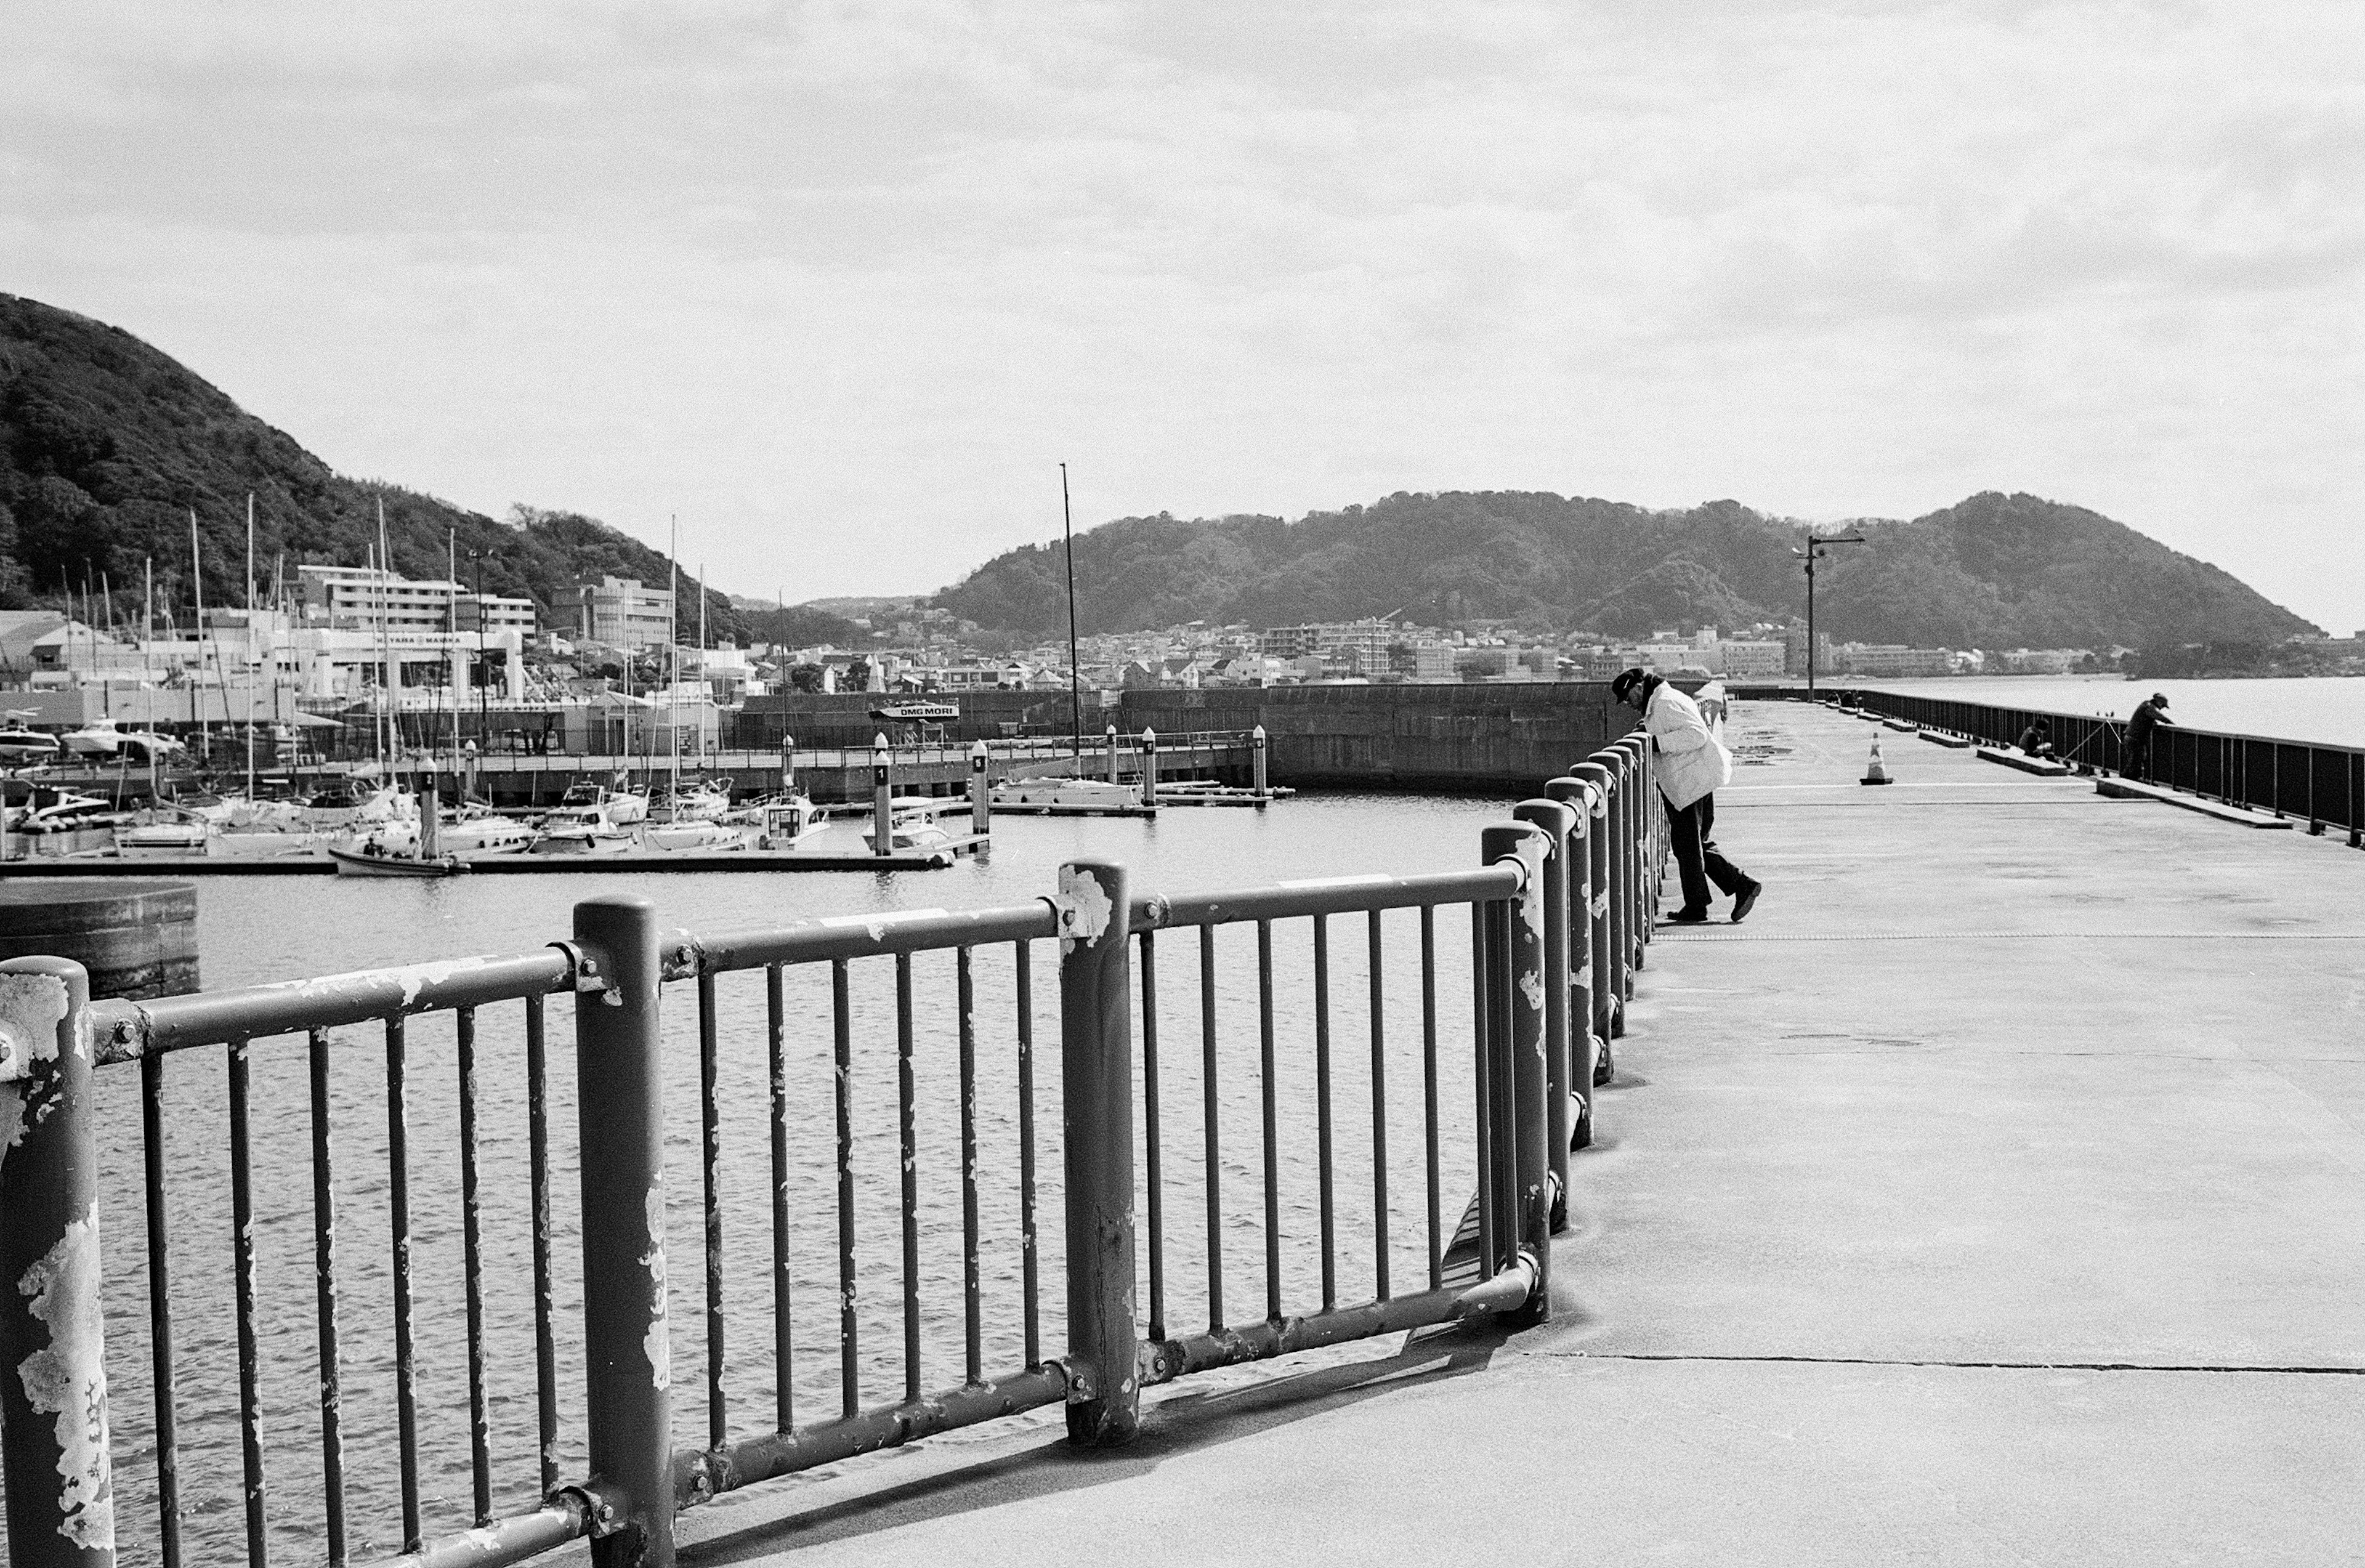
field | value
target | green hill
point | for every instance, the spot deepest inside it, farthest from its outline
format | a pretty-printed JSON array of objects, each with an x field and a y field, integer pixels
[
  {"x": 1995, "y": 571},
  {"x": 107, "y": 443}
]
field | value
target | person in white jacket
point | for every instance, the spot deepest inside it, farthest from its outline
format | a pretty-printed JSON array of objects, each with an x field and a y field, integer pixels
[{"x": 1692, "y": 767}]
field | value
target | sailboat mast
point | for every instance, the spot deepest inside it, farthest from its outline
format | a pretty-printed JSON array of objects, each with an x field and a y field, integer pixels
[
  {"x": 249, "y": 643},
  {"x": 705, "y": 691},
  {"x": 673, "y": 651},
  {"x": 198, "y": 583},
  {"x": 1075, "y": 672}
]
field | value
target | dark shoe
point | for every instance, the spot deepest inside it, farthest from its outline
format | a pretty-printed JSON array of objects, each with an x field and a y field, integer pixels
[
  {"x": 1689, "y": 917},
  {"x": 1746, "y": 901}
]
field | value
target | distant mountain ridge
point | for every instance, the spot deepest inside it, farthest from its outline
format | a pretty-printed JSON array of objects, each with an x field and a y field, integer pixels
[
  {"x": 105, "y": 443},
  {"x": 1995, "y": 571}
]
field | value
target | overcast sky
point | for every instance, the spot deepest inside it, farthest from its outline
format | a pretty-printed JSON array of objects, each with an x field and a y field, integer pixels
[{"x": 842, "y": 284}]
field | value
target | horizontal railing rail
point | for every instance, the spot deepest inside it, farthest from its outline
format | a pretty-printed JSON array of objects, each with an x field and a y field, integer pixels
[
  {"x": 859, "y": 1075},
  {"x": 2309, "y": 781}
]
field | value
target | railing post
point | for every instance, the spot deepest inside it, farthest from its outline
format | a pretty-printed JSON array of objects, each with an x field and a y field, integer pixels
[
  {"x": 1608, "y": 1006},
  {"x": 1096, "y": 1113},
  {"x": 620, "y": 1109},
  {"x": 1520, "y": 1053},
  {"x": 1639, "y": 802},
  {"x": 1587, "y": 945},
  {"x": 1556, "y": 821},
  {"x": 1619, "y": 764},
  {"x": 54, "y": 1439}
]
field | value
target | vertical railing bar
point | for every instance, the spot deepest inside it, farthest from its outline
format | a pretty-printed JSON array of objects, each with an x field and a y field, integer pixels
[
  {"x": 480, "y": 1431},
  {"x": 849, "y": 1374},
  {"x": 1149, "y": 1134},
  {"x": 710, "y": 1115},
  {"x": 1271, "y": 1125},
  {"x": 784, "y": 1410},
  {"x": 1429, "y": 1086},
  {"x": 324, "y": 1269},
  {"x": 1208, "y": 1111},
  {"x": 1023, "y": 955},
  {"x": 1326, "y": 1203},
  {"x": 159, "y": 1312},
  {"x": 973, "y": 1287},
  {"x": 405, "y": 1389},
  {"x": 907, "y": 1088},
  {"x": 545, "y": 1348},
  {"x": 250, "y": 1352},
  {"x": 1482, "y": 1091},
  {"x": 1376, "y": 976}
]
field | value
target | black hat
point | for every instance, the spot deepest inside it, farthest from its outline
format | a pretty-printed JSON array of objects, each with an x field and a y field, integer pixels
[
  {"x": 2159, "y": 699},
  {"x": 1627, "y": 681}
]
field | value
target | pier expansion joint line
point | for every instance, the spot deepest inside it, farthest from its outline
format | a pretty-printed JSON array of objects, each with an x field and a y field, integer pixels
[{"x": 2259, "y": 1369}]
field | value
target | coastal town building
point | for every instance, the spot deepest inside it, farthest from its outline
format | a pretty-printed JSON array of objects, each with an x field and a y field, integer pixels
[
  {"x": 368, "y": 598},
  {"x": 622, "y": 613}
]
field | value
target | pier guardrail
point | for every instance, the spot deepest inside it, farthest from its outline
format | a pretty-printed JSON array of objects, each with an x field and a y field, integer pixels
[
  {"x": 2321, "y": 785},
  {"x": 1560, "y": 905}
]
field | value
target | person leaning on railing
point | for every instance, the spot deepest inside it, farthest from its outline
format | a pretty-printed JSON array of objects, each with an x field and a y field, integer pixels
[
  {"x": 1693, "y": 766},
  {"x": 2150, "y": 716}
]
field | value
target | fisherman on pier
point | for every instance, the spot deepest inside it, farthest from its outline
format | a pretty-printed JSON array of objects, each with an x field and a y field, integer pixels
[
  {"x": 2140, "y": 725},
  {"x": 1692, "y": 767}
]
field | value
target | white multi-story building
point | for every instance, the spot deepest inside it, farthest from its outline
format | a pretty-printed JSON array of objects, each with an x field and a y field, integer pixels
[
  {"x": 369, "y": 598},
  {"x": 622, "y": 613}
]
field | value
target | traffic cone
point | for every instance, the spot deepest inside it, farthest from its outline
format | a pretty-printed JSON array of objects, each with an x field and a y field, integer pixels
[{"x": 1875, "y": 770}]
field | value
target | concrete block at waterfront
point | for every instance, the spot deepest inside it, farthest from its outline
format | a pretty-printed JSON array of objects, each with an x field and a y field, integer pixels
[{"x": 136, "y": 939}]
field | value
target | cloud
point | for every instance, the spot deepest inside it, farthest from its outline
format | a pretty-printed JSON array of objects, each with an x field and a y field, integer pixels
[{"x": 841, "y": 283}]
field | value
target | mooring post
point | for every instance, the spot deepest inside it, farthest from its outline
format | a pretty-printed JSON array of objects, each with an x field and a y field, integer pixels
[
  {"x": 1520, "y": 1053},
  {"x": 1149, "y": 768},
  {"x": 1096, "y": 1113},
  {"x": 1556, "y": 821},
  {"x": 1587, "y": 947},
  {"x": 1257, "y": 766},
  {"x": 1112, "y": 753},
  {"x": 981, "y": 805},
  {"x": 620, "y": 1110},
  {"x": 53, "y": 1438},
  {"x": 882, "y": 795}
]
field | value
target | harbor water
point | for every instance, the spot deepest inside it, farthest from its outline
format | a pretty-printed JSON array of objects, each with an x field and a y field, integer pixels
[{"x": 259, "y": 930}]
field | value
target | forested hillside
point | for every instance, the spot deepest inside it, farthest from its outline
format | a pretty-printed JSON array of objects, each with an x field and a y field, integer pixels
[
  {"x": 106, "y": 445},
  {"x": 1995, "y": 571}
]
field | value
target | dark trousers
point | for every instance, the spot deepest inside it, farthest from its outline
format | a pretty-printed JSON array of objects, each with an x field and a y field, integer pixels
[{"x": 1691, "y": 833}]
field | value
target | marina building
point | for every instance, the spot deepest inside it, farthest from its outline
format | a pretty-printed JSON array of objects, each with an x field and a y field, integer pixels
[
  {"x": 622, "y": 613},
  {"x": 368, "y": 598}
]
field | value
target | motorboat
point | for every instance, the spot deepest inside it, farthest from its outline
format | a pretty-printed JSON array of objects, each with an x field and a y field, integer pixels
[
  {"x": 99, "y": 738},
  {"x": 21, "y": 747},
  {"x": 675, "y": 837},
  {"x": 617, "y": 808},
  {"x": 690, "y": 801},
  {"x": 786, "y": 825},
  {"x": 476, "y": 832},
  {"x": 101, "y": 741},
  {"x": 912, "y": 833},
  {"x": 65, "y": 810},
  {"x": 372, "y": 855},
  {"x": 580, "y": 830},
  {"x": 359, "y": 803},
  {"x": 1067, "y": 795},
  {"x": 177, "y": 837}
]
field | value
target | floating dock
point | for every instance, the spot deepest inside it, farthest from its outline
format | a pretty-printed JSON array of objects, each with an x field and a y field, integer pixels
[{"x": 935, "y": 860}]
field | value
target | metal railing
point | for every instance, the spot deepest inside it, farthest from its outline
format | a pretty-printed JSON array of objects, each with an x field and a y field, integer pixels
[
  {"x": 2320, "y": 784},
  {"x": 1560, "y": 909}
]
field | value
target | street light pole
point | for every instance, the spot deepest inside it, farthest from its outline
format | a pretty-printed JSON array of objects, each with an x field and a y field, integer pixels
[{"x": 1815, "y": 552}]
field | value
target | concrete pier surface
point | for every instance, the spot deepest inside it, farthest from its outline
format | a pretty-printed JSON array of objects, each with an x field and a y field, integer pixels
[{"x": 1995, "y": 1195}]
